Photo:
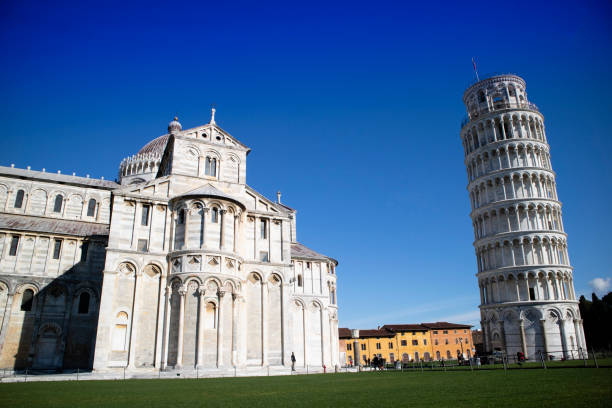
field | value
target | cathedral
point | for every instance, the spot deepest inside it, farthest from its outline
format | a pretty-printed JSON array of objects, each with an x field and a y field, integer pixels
[{"x": 179, "y": 265}]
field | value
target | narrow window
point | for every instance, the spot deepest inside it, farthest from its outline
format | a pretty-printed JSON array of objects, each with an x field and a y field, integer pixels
[
  {"x": 84, "y": 249},
  {"x": 264, "y": 229},
  {"x": 531, "y": 294},
  {"x": 146, "y": 210},
  {"x": 181, "y": 216},
  {"x": 59, "y": 200},
  {"x": 91, "y": 208},
  {"x": 142, "y": 245},
  {"x": 307, "y": 265},
  {"x": 57, "y": 249},
  {"x": 84, "y": 303},
  {"x": 436, "y": 341},
  {"x": 19, "y": 199},
  {"x": 348, "y": 346},
  {"x": 14, "y": 245},
  {"x": 300, "y": 283},
  {"x": 378, "y": 346},
  {"x": 390, "y": 345},
  {"x": 214, "y": 215},
  {"x": 363, "y": 347},
  {"x": 213, "y": 168},
  {"x": 207, "y": 166},
  {"x": 424, "y": 342},
  {"x": 26, "y": 300}
]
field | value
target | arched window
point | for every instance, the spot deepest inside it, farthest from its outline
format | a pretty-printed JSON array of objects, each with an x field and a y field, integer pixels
[
  {"x": 214, "y": 215},
  {"x": 437, "y": 355},
  {"x": 26, "y": 300},
  {"x": 448, "y": 354},
  {"x": 84, "y": 303},
  {"x": 181, "y": 216},
  {"x": 300, "y": 282},
  {"x": 481, "y": 96},
  {"x": 210, "y": 167},
  {"x": 19, "y": 199},
  {"x": 59, "y": 200},
  {"x": 91, "y": 208}
]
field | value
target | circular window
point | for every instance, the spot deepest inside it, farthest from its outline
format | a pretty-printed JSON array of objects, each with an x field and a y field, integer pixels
[{"x": 218, "y": 137}]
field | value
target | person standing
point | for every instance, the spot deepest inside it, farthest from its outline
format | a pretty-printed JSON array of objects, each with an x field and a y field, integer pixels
[{"x": 292, "y": 361}]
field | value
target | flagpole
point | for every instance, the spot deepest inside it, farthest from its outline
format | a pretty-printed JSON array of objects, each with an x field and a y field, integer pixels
[{"x": 475, "y": 70}]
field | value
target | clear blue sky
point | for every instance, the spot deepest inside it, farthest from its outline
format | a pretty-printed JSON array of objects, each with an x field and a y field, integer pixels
[{"x": 352, "y": 111}]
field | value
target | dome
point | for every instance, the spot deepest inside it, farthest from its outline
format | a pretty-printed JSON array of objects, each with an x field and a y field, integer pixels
[
  {"x": 155, "y": 146},
  {"x": 174, "y": 126}
]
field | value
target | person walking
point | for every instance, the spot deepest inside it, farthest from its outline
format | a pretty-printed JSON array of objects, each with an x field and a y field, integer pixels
[{"x": 292, "y": 361}]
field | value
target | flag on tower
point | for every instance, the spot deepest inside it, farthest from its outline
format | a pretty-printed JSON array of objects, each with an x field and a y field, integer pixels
[{"x": 475, "y": 70}]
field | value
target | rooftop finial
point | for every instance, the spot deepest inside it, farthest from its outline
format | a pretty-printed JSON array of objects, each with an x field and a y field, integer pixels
[
  {"x": 278, "y": 196},
  {"x": 212, "y": 117}
]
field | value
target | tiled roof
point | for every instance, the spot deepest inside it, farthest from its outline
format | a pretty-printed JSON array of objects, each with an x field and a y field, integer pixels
[
  {"x": 446, "y": 325},
  {"x": 57, "y": 178},
  {"x": 51, "y": 226},
  {"x": 303, "y": 252},
  {"x": 155, "y": 146},
  {"x": 375, "y": 333},
  {"x": 404, "y": 327},
  {"x": 344, "y": 333}
]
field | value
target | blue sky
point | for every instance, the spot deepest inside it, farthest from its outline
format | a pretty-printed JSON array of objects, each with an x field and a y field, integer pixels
[{"x": 352, "y": 111}]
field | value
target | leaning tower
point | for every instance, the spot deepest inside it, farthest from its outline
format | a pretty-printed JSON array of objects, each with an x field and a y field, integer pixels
[{"x": 527, "y": 298}]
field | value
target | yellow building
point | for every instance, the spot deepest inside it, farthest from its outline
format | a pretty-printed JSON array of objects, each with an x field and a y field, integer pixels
[{"x": 407, "y": 342}]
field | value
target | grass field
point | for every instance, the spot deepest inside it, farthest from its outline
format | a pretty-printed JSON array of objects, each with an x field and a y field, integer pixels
[{"x": 561, "y": 387}]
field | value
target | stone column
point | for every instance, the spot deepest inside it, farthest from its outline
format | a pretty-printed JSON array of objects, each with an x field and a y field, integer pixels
[
  {"x": 485, "y": 335},
  {"x": 220, "y": 329},
  {"x": 562, "y": 334},
  {"x": 264, "y": 321},
  {"x": 186, "y": 229},
  {"x": 201, "y": 317},
  {"x": 222, "y": 229},
  {"x": 355, "y": 336},
  {"x": 502, "y": 330},
  {"x": 523, "y": 339},
  {"x": 5, "y": 319},
  {"x": 179, "y": 352},
  {"x": 159, "y": 330},
  {"x": 134, "y": 325},
  {"x": 164, "y": 361},
  {"x": 545, "y": 338},
  {"x": 235, "y": 232},
  {"x": 235, "y": 313}
]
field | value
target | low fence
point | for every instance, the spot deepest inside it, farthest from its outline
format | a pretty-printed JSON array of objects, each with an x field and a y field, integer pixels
[{"x": 497, "y": 361}]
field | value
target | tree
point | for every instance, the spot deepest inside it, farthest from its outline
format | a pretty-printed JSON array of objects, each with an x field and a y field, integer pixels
[{"x": 597, "y": 321}]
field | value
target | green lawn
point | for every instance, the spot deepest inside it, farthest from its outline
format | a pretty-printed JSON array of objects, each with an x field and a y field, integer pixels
[{"x": 560, "y": 387}]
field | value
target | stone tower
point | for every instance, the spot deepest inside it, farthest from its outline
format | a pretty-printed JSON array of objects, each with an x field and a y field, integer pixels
[{"x": 527, "y": 298}]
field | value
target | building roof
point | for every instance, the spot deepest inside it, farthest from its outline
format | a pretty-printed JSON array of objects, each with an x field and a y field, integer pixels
[
  {"x": 344, "y": 333},
  {"x": 446, "y": 325},
  {"x": 52, "y": 226},
  {"x": 57, "y": 178},
  {"x": 301, "y": 251},
  {"x": 375, "y": 333},
  {"x": 404, "y": 327},
  {"x": 209, "y": 190},
  {"x": 155, "y": 146}
]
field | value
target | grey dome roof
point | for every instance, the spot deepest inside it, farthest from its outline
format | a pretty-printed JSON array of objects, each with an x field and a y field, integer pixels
[{"x": 155, "y": 146}]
